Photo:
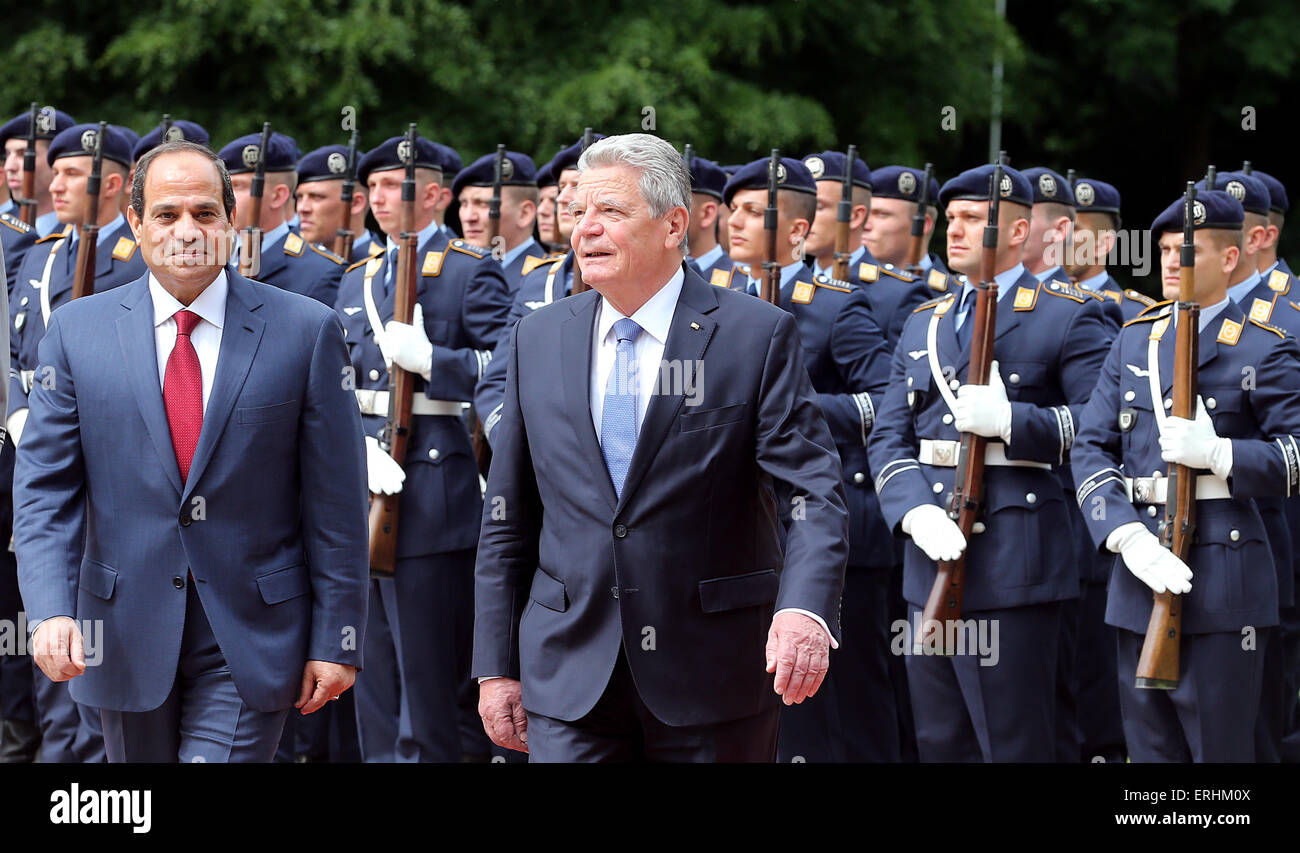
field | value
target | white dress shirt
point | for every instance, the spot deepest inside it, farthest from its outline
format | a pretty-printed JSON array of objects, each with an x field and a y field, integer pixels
[
  {"x": 210, "y": 305},
  {"x": 654, "y": 317}
]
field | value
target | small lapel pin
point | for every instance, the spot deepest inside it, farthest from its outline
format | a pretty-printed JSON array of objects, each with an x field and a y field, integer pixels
[{"x": 695, "y": 326}]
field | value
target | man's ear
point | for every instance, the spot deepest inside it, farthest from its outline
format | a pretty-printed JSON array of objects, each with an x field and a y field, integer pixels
[
  {"x": 1019, "y": 232},
  {"x": 678, "y": 218},
  {"x": 1256, "y": 239},
  {"x": 359, "y": 202},
  {"x": 1231, "y": 255},
  {"x": 134, "y": 222}
]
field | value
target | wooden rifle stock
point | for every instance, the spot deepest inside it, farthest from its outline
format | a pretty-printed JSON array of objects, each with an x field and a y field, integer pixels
[
  {"x": 384, "y": 509},
  {"x": 344, "y": 237},
  {"x": 83, "y": 281},
  {"x": 916, "y": 246},
  {"x": 250, "y": 254},
  {"x": 27, "y": 204},
  {"x": 1158, "y": 662},
  {"x": 771, "y": 286},
  {"x": 843, "y": 213},
  {"x": 944, "y": 604},
  {"x": 579, "y": 286}
]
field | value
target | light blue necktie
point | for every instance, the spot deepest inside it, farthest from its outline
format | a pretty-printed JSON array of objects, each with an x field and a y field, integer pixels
[{"x": 618, "y": 419}]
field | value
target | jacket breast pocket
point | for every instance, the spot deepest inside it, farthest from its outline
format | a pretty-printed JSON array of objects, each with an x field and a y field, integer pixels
[
  {"x": 1022, "y": 378},
  {"x": 97, "y": 579},
  {"x": 437, "y": 330},
  {"x": 284, "y": 584},
  {"x": 1227, "y": 409},
  {"x": 918, "y": 380},
  {"x": 721, "y": 416},
  {"x": 732, "y": 593},
  {"x": 267, "y": 414}
]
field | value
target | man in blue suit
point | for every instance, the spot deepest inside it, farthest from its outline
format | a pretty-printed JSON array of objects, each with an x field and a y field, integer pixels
[
  {"x": 658, "y": 436},
  {"x": 234, "y": 586}
]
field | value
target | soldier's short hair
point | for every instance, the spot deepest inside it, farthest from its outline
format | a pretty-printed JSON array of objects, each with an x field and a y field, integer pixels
[
  {"x": 664, "y": 182},
  {"x": 142, "y": 172}
]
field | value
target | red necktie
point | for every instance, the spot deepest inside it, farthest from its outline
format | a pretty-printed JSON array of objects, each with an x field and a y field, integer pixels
[{"x": 183, "y": 392}]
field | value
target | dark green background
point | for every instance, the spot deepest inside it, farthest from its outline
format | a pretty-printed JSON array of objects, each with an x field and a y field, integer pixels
[{"x": 1142, "y": 93}]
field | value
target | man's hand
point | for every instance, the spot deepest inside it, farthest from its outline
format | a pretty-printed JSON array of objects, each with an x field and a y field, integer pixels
[
  {"x": 1194, "y": 443},
  {"x": 798, "y": 651},
  {"x": 407, "y": 344},
  {"x": 501, "y": 705},
  {"x": 1148, "y": 560},
  {"x": 934, "y": 532},
  {"x": 384, "y": 476},
  {"x": 323, "y": 681},
  {"x": 984, "y": 409},
  {"x": 57, "y": 648}
]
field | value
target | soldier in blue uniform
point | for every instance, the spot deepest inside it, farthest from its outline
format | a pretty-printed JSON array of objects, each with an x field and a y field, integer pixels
[
  {"x": 17, "y": 237},
  {"x": 320, "y": 202},
  {"x": 516, "y": 250},
  {"x": 450, "y": 162},
  {"x": 180, "y": 130},
  {"x": 1051, "y": 227},
  {"x": 1243, "y": 440},
  {"x": 998, "y": 704},
  {"x": 888, "y": 232},
  {"x": 13, "y": 136},
  {"x": 419, "y": 624},
  {"x": 853, "y": 716},
  {"x": 891, "y": 292},
  {"x": 706, "y": 254},
  {"x": 287, "y": 260},
  {"x": 1096, "y": 224},
  {"x": 44, "y": 282},
  {"x": 1277, "y": 209},
  {"x": 547, "y": 190}
]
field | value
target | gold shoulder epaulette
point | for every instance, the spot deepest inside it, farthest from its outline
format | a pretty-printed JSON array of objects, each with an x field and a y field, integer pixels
[
  {"x": 531, "y": 263},
  {"x": 897, "y": 273},
  {"x": 1155, "y": 312},
  {"x": 1274, "y": 329},
  {"x": 833, "y": 284},
  {"x": 360, "y": 263},
  {"x": 53, "y": 235},
  {"x": 1140, "y": 297},
  {"x": 1065, "y": 289},
  {"x": 326, "y": 253},
  {"x": 15, "y": 223},
  {"x": 931, "y": 303},
  {"x": 469, "y": 249},
  {"x": 1155, "y": 306}
]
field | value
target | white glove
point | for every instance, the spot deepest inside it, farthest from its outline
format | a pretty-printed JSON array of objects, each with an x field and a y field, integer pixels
[
  {"x": 383, "y": 472},
  {"x": 1195, "y": 444},
  {"x": 934, "y": 532},
  {"x": 984, "y": 409},
  {"x": 1148, "y": 560},
  {"x": 16, "y": 422},
  {"x": 407, "y": 344}
]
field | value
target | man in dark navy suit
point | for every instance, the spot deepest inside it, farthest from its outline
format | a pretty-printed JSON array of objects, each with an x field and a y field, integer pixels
[
  {"x": 657, "y": 436},
  {"x": 234, "y": 586}
]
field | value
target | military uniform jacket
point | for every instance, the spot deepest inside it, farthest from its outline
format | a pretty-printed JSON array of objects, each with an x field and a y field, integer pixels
[
  {"x": 891, "y": 293},
  {"x": 295, "y": 265},
  {"x": 847, "y": 360},
  {"x": 465, "y": 302},
  {"x": 16, "y": 237},
  {"x": 1049, "y": 343},
  {"x": 721, "y": 273},
  {"x": 118, "y": 260},
  {"x": 522, "y": 264},
  {"x": 1131, "y": 302},
  {"x": 1248, "y": 375},
  {"x": 548, "y": 282}
]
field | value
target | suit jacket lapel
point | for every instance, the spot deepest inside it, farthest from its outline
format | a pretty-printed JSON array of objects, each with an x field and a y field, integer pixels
[
  {"x": 688, "y": 337},
  {"x": 575, "y": 367},
  {"x": 135, "y": 334},
  {"x": 239, "y": 341}
]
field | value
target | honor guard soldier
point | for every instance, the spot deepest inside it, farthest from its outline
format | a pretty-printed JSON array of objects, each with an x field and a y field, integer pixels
[
  {"x": 547, "y": 190},
  {"x": 710, "y": 260},
  {"x": 45, "y": 281},
  {"x": 320, "y": 202},
  {"x": 1050, "y": 342},
  {"x": 516, "y": 250},
  {"x": 1277, "y": 209},
  {"x": 287, "y": 260},
  {"x": 1242, "y": 443},
  {"x": 451, "y": 164},
  {"x": 419, "y": 624},
  {"x": 1288, "y": 639},
  {"x": 13, "y": 136},
  {"x": 1096, "y": 225},
  {"x": 549, "y": 281},
  {"x": 174, "y": 130},
  {"x": 895, "y": 192},
  {"x": 16, "y": 237},
  {"x": 891, "y": 293},
  {"x": 1268, "y": 301},
  {"x": 853, "y": 717},
  {"x": 1051, "y": 227}
]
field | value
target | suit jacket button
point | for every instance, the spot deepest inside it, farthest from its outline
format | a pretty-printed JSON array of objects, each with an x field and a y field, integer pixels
[
  {"x": 620, "y": 531},
  {"x": 859, "y": 478},
  {"x": 433, "y": 453},
  {"x": 186, "y": 520},
  {"x": 374, "y": 374},
  {"x": 178, "y": 582}
]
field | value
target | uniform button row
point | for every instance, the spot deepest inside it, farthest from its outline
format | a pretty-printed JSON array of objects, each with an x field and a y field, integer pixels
[
  {"x": 859, "y": 478},
  {"x": 374, "y": 374}
]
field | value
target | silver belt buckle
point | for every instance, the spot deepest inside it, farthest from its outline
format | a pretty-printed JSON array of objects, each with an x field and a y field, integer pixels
[
  {"x": 1143, "y": 490},
  {"x": 944, "y": 453}
]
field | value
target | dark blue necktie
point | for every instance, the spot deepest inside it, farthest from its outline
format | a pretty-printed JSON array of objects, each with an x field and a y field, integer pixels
[{"x": 966, "y": 312}]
